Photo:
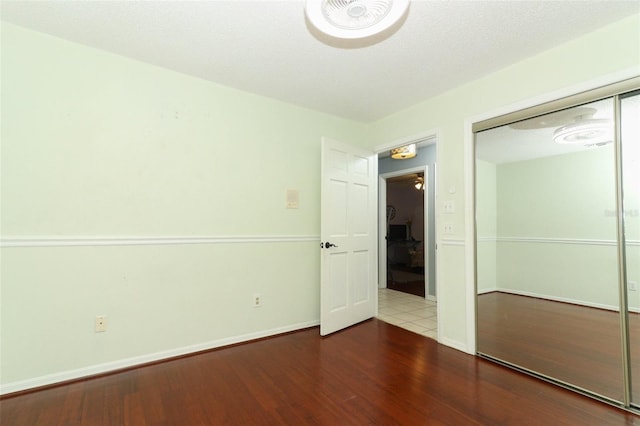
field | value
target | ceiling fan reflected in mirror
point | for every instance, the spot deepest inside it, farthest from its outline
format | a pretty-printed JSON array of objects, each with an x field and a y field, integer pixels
[
  {"x": 554, "y": 119},
  {"x": 574, "y": 126},
  {"x": 585, "y": 130}
]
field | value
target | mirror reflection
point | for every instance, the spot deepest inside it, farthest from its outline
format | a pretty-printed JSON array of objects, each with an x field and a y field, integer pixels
[
  {"x": 630, "y": 146},
  {"x": 547, "y": 261}
]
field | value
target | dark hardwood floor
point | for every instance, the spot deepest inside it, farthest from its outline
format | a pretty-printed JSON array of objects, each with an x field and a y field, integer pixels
[
  {"x": 373, "y": 373},
  {"x": 576, "y": 344}
]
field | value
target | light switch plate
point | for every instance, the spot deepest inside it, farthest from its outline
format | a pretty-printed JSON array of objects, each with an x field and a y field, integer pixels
[
  {"x": 293, "y": 196},
  {"x": 449, "y": 206}
]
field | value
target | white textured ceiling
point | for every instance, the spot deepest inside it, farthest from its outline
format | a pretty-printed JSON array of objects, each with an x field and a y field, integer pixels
[{"x": 266, "y": 47}]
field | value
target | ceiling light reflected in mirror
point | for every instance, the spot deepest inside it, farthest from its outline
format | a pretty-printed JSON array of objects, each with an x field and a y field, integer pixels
[
  {"x": 585, "y": 131},
  {"x": 557, "y": 133}
]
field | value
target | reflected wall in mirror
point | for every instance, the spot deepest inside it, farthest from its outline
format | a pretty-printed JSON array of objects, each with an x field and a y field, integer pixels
[{"x": 547, "y": 260}]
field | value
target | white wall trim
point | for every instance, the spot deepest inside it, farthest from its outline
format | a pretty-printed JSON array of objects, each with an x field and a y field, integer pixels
[
  {"x": 454, "y": 344},
  {"x": 469, "y": 181},
  {"x": 543, "y": 240},
  {"x": 89, "y": 241},
  {"x": 452, "y": 242},
  {"x": 426, "y": 138},
  {"x": 144, "y": 359}
]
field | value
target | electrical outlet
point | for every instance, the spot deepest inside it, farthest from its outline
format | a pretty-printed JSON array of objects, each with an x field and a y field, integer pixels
[
  {"x": 257, "y": 300},
  {"x": 101, "y": 323},
  {"x": 633, "y": 286}
]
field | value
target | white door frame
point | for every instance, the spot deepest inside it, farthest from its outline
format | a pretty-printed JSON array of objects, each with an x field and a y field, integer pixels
[{"x": 382, "y": 224}]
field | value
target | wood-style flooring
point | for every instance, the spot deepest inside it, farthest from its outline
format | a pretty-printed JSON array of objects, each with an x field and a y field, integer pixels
[
  {"x": 373, "y": 373},
  {"x": 576, "y": 344}
]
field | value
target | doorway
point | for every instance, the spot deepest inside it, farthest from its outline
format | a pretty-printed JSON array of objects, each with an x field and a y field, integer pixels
[
  {"x": 421, "y": 167},
  {"x": 405, "y": 233},
  {"x": 411, "y": 243}
]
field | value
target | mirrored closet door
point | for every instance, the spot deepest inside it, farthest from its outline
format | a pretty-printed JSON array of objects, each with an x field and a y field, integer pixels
[
  {"x": 552, "y": 252},
  {"x": 630, "y": 148}
]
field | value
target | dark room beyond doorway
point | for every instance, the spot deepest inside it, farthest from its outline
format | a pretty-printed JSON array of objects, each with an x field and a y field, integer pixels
[{"x": 405, "y": 234}]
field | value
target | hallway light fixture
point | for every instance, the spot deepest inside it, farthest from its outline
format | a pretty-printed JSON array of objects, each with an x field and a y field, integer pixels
[
  {"x": 404, "y": 152},
  {"x": 354, "y": 19},
  {"x": 587, "y": 131},
  {"x": 419, "y": 185}
]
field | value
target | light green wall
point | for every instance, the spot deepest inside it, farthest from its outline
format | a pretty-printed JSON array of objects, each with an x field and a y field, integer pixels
[
  {"x": 486, "y": 225},
  {"x": 157, "y": 298},
  {"x": 611, "y": 49},
  {"x": 564, "y": 196},
  {"x": 94, "y": 144},
  {"x": 568, "y": 198}
]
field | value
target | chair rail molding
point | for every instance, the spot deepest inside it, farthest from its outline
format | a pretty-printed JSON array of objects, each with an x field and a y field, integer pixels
[{"x": 92, "y": 241}]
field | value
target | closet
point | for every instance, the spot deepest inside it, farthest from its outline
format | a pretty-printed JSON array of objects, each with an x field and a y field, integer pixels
[{"x": 557, "y": 241}]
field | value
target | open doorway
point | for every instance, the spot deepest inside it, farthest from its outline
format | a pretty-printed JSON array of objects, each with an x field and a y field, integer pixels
[
  {"x": 421, "y": 167},
  {"x": 405, "y": 233},
  {"x": 407, "y": 252}
]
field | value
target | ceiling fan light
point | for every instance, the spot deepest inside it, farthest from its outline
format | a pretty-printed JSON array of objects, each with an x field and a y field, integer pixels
[
  {"x": 404, "y": 152},
  {"x": 590, "y": 131},
  {"x": 354, "y": 19}
]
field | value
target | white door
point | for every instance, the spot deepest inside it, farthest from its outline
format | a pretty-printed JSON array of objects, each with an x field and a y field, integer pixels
[{"x": 348, "y": 282}]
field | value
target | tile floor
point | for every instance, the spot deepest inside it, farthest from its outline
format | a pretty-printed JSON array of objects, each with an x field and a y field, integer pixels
[{"x": 408, "y": 311}]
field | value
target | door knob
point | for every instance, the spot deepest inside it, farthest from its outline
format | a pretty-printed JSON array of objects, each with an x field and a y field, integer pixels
[{"x": 329, "y": 245}]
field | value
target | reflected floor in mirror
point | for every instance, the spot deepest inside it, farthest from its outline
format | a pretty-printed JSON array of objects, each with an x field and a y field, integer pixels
[
  {"x": 576, "y": 344},
  {"x": 410, "y": 312}
]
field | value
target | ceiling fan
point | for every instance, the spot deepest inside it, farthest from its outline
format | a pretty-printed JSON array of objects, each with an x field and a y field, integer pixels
[
  {"x": 354, "y": 19},
  {"x": 420, "y": 184}
]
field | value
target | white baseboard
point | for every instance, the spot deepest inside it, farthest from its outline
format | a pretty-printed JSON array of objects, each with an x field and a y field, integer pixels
[
  {"x": 454, "y": 344},
  {"x": 107, "y": 367},
  {"x": 558, "y": 299}
]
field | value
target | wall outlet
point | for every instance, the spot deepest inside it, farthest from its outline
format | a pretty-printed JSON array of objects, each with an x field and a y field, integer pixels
[
  {"x": 257, "y": 300},
  {"x": 293, "y": 198},
  {"x": 101, "y": 323},
  {"x": 633, "y": 286}
]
